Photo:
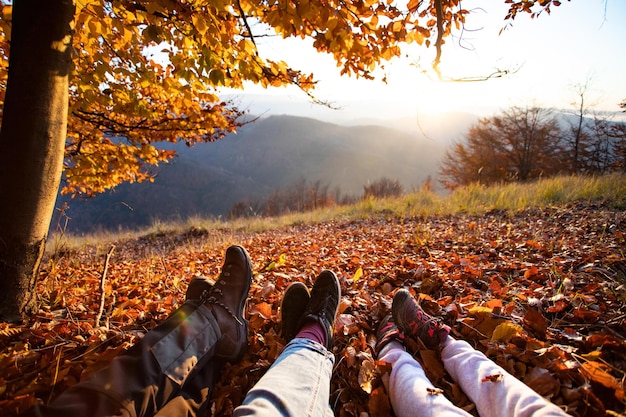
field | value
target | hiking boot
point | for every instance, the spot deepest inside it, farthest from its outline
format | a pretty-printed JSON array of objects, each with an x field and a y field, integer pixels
[
  {"x": 292, "y": 308},
  {"x": 387, "y": 332},
  {"x": 414, "y": 322},
  {"x": 324, "y": 304},
  {"x": 227, "y": 299},
  {"x": 198, "y": 287}
]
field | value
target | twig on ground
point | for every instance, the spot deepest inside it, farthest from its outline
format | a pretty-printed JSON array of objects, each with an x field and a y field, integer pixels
[{"x": 102, "y": 282}]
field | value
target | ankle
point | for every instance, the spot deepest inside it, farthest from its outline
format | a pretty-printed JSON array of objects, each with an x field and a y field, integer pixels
[{"x": 314, "y": 331}]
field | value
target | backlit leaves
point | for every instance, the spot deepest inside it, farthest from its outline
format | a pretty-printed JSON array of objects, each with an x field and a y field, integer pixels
[{"x": 148, "y": 71}]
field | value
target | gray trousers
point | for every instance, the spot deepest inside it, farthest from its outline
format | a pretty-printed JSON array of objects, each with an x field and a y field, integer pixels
[{"x": 170, "y": 372}]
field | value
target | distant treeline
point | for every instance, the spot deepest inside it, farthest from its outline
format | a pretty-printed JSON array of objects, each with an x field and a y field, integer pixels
[{"x": 303, "y": 195}]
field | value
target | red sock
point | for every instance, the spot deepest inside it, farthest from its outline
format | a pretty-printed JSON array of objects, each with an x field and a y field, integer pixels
[{"x": 313, "y": 331}]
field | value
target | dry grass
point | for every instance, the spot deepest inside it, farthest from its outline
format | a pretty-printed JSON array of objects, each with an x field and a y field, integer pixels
[{"x": 474, "y": 199}]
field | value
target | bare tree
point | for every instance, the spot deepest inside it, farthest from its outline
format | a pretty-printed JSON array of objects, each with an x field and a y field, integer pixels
[
  {"x": 607, "y": 150},
  {"x": 619, "y": 134},
  {"x": 521, "y": 143},
  {"x": 384, "y": 187},
  {"x": 577, "y": 137}
]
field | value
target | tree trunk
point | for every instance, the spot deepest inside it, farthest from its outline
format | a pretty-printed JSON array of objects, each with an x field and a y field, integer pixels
[{"x": 32, "y": 139}]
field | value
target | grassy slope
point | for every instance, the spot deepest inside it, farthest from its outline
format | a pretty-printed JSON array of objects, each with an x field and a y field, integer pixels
[{"x": 475, "y": 199}]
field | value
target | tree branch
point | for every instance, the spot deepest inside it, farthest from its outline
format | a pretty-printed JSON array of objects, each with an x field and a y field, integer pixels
[
  {"x": 439, "y": 41},
  {"x": 116, "y": 127},
  {"x": 102, "y": 289},
  {"x": 245, "y": 22}
]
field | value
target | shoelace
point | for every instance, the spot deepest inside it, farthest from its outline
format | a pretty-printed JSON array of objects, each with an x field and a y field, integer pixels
[
  {"x": 321, "y": 310},
  {"x": 213, "y": 295},
  {"x": 424, "y": 323}
]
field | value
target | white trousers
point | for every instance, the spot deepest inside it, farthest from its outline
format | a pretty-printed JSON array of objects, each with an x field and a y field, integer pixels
[{"x": 408, "y": 385}]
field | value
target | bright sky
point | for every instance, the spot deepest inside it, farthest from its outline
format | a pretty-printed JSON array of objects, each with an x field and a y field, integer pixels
[{"x": 579, "y": 42}]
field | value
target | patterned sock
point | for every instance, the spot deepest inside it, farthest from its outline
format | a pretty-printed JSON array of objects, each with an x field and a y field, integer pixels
[{"x": 313, "y": 331}]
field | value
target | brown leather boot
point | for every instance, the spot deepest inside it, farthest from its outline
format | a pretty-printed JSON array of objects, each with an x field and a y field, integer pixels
[
  {"x": 226, "y": 298},
  {"x": 197, "y": 287}
]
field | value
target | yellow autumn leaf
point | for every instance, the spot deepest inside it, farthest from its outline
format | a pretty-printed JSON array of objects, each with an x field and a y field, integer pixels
[
  {"x": 273, "y": 265},
  {"x": 357, "y": 275},
  {"x": 479, "y": 310},
  {"x": 332, "y": 23},
  {"x": 413, "y": 5},
  {"x": 596, "y": 354},
  {"x": 505, "y": 331},
  {"x": 199, "y": 23}
]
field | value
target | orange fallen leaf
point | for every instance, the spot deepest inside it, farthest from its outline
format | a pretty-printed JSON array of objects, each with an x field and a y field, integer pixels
[
  {"x": 598, "y": 372},
  {"x": 367, "y": 374},
  {"x": 263, "y": 309},
  {"x": 531, "y": 272}
]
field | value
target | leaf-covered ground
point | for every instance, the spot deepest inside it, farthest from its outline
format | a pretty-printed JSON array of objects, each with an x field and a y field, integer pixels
[{"x": 541, "y": 292}]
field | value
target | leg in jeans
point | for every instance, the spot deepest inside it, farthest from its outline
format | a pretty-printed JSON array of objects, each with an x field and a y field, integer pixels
[
  {"x": 506, "y": 397},
  {"x": 176, "y": 361},
  {"x": 298, "y": 383}
]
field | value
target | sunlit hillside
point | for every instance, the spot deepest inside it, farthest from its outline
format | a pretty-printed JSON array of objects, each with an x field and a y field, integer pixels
[
  {"x": 269, "y": 154},
  {"x": 475, "y": 200}
]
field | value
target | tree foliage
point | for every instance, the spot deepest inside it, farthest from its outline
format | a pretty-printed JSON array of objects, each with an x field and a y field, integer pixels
[
  {"x": 522, "y": 143},
  {"x": 526, "y": 143},
  {"x": 302, "y": 196},
  {"x": 595, "y": 143},
  {"x": 147, "y": 71},
  {"x": 606, "y": 146}
]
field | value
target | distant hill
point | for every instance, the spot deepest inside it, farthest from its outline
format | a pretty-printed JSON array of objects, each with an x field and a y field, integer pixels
[{"x": 271, "y": 153}]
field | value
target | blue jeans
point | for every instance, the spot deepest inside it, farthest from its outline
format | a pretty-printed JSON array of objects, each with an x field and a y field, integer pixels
[{"x": 297, "y": 384}]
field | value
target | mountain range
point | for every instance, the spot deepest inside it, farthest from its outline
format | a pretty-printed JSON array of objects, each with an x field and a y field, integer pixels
[{"x": 269, "y": 154}]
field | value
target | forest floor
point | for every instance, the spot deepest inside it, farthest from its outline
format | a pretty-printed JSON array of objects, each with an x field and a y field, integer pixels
[{"x": 541, "y": 291}]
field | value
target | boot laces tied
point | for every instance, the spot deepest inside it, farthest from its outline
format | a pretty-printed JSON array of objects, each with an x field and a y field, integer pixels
[{"x": 213, "y": 296}]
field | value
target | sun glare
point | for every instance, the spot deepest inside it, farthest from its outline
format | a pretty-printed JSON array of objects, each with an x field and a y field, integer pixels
[{"x": 532, "y": 70}]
